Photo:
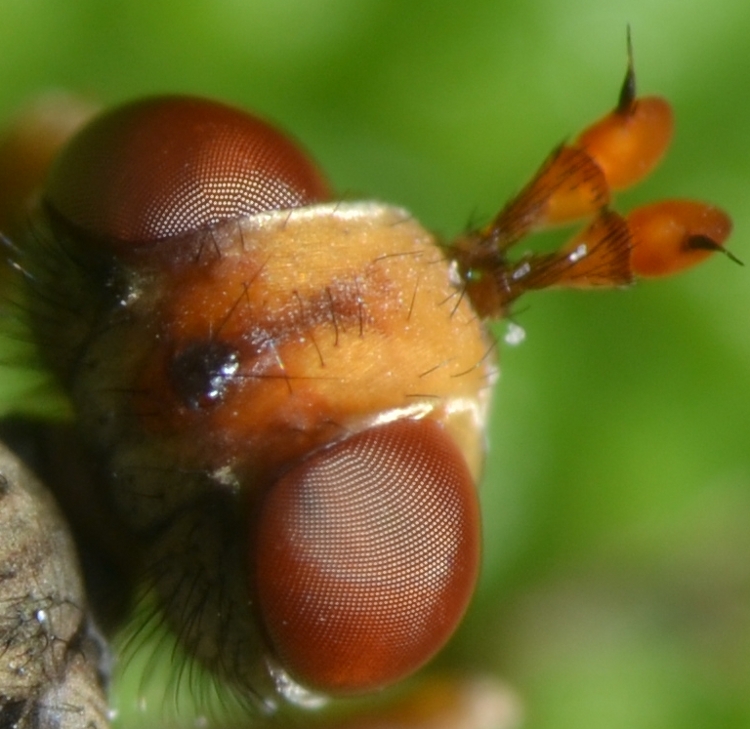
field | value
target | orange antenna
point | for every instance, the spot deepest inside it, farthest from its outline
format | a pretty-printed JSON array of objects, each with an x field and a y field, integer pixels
[{"x": 577, "y": 181}]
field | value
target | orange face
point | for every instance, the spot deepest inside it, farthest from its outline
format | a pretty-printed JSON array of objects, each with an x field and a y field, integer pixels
[
  {"x": 305, "y": 375},
  {"x": 281, "y": 398}
]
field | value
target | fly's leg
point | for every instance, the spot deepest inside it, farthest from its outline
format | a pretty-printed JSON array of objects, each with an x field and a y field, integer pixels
[{"x": 52, "y": 660}]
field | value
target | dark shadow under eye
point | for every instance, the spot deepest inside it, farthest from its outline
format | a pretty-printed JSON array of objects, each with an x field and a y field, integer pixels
[{"x": 202, "y": 372}]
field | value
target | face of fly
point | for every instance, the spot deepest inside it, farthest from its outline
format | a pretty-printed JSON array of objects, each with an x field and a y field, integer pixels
[{"x": 281, "y": 398}]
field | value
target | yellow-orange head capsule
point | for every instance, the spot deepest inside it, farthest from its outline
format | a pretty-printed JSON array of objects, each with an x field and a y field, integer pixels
[{"x": 254, "y": 353}]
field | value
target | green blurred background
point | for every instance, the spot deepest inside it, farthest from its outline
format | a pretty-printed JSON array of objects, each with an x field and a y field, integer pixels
[{"x": 616, "y": 588}]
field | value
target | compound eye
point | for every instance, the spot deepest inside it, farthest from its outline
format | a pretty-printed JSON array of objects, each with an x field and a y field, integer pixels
[
  {"x": 366, "y": 557},
  {"x": 168, "y": 166}
]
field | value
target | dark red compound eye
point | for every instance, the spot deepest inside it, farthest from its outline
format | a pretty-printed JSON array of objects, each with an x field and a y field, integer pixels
[
  {"x": 367, "y": 555},
  {"x": 167, "y": 166}
]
